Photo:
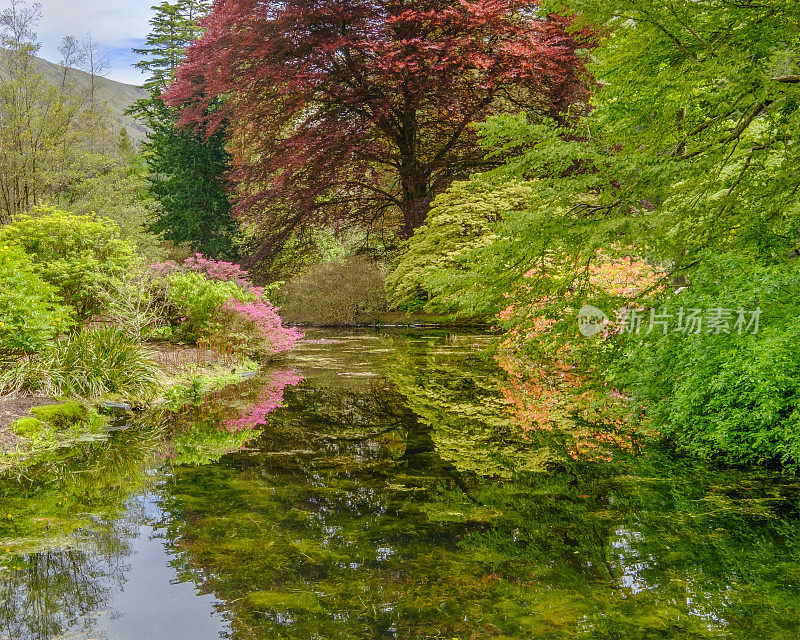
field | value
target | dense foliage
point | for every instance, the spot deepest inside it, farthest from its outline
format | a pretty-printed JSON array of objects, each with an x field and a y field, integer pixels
[
  {"x": 77, "y": 254},
  {"x": 339, "y": 292},
  {"x": 682, "y": 175},
  {"x": 363, "y": 110},
  {"x": 30, "y": 315},
  {"x": 91, "y": 363},
  {"x": 732, "y": 386}
]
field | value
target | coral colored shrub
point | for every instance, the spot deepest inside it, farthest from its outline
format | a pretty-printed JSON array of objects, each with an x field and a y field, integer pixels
[{"x": 213, "y": 302}]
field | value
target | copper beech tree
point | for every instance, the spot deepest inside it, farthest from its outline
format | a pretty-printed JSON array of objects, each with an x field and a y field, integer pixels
[{"x": 362, "y": 109}]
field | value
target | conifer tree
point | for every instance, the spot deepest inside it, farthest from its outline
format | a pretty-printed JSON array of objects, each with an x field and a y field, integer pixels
[{"x": 187, "y": 171}]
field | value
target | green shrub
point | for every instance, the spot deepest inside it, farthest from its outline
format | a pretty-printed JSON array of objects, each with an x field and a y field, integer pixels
[
  {"x": 77, "y": 254},
  {"x": 137, "y": 301},
  {"x": 195, "y": 304},
  {"x": 725, "y": 393},
  {"x": 336, "y": 293},
  {"x": 88, "y": 364},
  {"x": 29, "y": 315}
]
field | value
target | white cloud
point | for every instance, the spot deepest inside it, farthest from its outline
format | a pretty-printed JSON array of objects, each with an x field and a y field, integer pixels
[{"x": 118, "y": 25}]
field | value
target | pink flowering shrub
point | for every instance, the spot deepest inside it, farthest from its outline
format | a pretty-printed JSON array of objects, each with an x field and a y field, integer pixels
[
  {"x": 270, "y": 399},
  {"x": 259, "y": 326},
  {"x": 213, "y": 303},
  {"x": 215, "y": 270}
]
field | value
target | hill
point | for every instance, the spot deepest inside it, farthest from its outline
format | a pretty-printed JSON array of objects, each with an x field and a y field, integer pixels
[{"x": 117, "y": 95}]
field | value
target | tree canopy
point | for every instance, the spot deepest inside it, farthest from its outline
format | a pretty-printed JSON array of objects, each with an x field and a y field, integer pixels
[{"x": 363, "y": 110}]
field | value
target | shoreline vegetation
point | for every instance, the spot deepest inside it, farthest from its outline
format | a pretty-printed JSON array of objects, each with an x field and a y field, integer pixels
[
  {"x": 631, "y": 170},
  {"x": 87, "y": 323}
]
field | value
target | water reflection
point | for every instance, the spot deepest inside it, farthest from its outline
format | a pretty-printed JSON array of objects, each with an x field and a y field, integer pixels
[{"x": 400, "y": 501}]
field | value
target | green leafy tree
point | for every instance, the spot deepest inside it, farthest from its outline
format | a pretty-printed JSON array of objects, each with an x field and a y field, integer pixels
[
  {"x": 691, "y": 148},
  {"x": 460, "y": 220},
  {"x": 688, "y": 159},
  {"x": 50, "y": 140},
  {"x": 77, "y": 254},
  {"x": 186, "y": 168}
]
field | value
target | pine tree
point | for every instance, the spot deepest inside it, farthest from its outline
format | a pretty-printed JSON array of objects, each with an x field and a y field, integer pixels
[
  {"x": 187, "y": 171},
  {"x": 174, "y": 27}
]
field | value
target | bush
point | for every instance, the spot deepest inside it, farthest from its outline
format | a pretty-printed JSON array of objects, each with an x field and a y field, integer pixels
[
  {"x": 29, "y": 315},
  {"x": 336, "y": 293},
  {"x": 196, "y": 304},
  {"x": 216, "y": 270},
  {"x": 257, "y": 330},
  {"x": 89, "y": 364},
  {"x": 137, "y": 302},
  {"x": 77, "y": 254},
  {"x": 726, "y": 393}
]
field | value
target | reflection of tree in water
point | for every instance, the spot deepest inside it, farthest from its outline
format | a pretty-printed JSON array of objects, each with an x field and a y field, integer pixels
[
  {"x": 409, "y": 510},
  {"x": 62, "y": 553},
  {"x": 53, "y": 590},
  {"x": 456, "y": 396}
]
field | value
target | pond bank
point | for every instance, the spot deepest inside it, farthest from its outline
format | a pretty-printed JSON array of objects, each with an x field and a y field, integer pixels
[{"x": 187, "y": 372}]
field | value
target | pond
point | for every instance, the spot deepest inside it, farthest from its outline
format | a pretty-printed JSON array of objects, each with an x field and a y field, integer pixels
[{"x": 391, "y": 496}]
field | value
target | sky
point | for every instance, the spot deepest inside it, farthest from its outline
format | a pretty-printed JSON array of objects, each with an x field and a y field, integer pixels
[{"x": 117, "y": 25}]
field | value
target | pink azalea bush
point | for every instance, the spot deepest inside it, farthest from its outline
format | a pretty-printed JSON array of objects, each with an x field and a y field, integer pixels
[
  {"x": 264, "y": 318},
  {"x": 216, "y": 270},
  {"x": 213, "y": 302}
]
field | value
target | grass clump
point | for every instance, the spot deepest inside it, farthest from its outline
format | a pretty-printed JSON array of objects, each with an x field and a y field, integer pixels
[{"x": 92, "y": 363}]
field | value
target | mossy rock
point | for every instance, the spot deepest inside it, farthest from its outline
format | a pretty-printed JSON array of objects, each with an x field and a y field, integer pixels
[
  {"x": 62, "y": 415},
  {"x": 28, "y": 426}
]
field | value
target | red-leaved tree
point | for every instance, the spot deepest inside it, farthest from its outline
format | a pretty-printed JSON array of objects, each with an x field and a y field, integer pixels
[{"x": 362, "y": 109}]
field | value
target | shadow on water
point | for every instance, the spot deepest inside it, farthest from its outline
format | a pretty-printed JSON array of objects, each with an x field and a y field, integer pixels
[{"x": 391, "y": 497}]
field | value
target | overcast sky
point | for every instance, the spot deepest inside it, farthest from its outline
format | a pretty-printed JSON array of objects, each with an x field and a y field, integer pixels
[{"x": 118, "y": 25}]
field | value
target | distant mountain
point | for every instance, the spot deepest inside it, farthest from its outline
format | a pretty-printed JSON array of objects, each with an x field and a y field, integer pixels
[{"x": 117, "y": 95}]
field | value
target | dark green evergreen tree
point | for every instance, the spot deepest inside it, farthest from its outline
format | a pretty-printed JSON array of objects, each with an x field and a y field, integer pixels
[{"x": 187, "y": 171}]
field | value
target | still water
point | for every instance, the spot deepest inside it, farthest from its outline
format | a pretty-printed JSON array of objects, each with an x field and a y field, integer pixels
[{"x": 390, "y": 496}]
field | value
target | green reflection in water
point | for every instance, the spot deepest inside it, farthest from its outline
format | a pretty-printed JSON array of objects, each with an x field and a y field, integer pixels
[{"x": 391, "y": 498}]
